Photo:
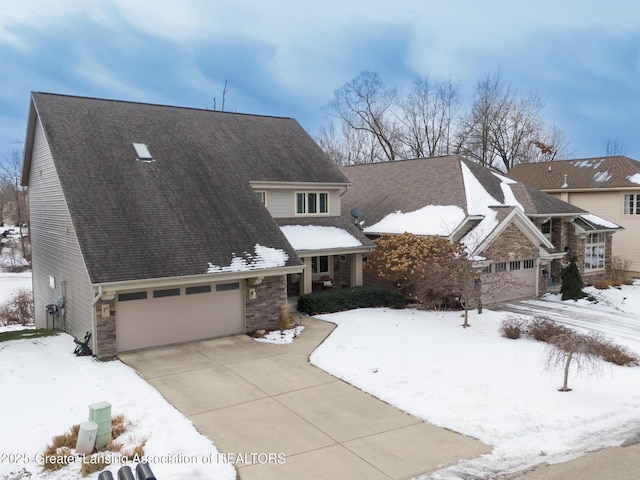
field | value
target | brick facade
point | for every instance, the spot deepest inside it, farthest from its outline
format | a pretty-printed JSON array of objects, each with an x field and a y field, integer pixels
[{"x": 263, "y": 312}]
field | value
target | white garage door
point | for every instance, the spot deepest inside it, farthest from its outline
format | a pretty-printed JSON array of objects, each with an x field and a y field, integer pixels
[
  {"x": 149, "y": 318},
  {"x": 509, "y": 281}
]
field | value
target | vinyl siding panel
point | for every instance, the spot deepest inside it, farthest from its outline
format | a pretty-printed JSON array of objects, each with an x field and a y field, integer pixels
[
  {"x": 282, "y": 202},
  {"x": 55, "y": 249}
]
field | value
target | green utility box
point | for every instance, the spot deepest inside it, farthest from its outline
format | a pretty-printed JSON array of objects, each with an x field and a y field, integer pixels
[{"x": 100, "y": 413}]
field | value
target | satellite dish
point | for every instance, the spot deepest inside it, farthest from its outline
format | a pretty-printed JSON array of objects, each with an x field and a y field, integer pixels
[{"x": 356, "y": 213}]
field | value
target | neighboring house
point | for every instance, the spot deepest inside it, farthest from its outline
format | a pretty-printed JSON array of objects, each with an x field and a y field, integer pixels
[
  {"x": 154, "y": 224},
  {"x": 511, "y": 231},
  {"x": 607, "y": 186}
]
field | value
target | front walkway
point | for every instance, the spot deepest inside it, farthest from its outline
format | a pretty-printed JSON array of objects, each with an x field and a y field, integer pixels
[{"x": 255, "y": 398}]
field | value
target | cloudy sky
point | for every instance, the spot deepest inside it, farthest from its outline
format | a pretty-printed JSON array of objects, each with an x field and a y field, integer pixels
[{"x": 286, "y": 57}]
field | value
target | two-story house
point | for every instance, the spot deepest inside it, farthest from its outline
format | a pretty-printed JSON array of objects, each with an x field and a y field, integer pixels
[
  {"x": 607, "y": 186},
  {"x": 153, "y": 225}
]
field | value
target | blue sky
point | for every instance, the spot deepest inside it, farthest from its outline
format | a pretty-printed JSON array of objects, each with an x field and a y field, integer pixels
[{"x": 287, "y": 57}]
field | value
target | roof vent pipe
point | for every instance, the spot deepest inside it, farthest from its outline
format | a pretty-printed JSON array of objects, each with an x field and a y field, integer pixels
[{"x": 566, "y": 179}]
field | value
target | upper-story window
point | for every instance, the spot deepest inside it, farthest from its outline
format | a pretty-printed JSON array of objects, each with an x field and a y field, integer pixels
[
  {"x": 594, "y": 253},
  {"x": 262, "y": 196},
  {"x": 632, "y": 204},
  {"x": 546, "y": 229},
  {"x": 312, "y": 203}
]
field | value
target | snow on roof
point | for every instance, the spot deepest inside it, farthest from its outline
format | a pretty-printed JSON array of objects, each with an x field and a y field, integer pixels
[
  {"x": 475, "y": 237},
  {"x": 589, "y": 163},
  {"x": 478, "y": 199},
  {"x": 430, "y": 220},
  {"x": 601, "y": 177},
  {"x": 599, "y": 221},
  {"x": 635, "y": 178},
  {"x": 315, "y": 237},
  {"x": 504, "y": 179},
  {"x": 263, "y": 257}
]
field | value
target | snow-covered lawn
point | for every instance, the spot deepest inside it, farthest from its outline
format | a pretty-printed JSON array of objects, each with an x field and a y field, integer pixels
[
  {"x": 45, "y": 389},
  {"x": 483, "y": 385}
]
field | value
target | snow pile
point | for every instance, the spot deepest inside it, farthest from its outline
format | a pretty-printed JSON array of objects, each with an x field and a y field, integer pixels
[
  {"x": 589, "y": 163},
  {"x": 281, "y": 336},
  {"x": 263, "y": 257},
  {"x": 315, "y": 237},
  {"x": 478, "y": 383},
  {"x": 430, "y": 220},
  {"x": 46, "y": 389}
]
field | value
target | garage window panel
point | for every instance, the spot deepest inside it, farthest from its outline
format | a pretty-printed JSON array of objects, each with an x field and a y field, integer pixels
[
  {"x": 167, "y": 292},
  {"x": 125, "y": 297},
  {"x": 198, "y": 289},
  {"x": 500, "y": 267},
  {"x": 528, "y": 263},
  {"x": 223, "y": 287},
  {"x": 514, "y": 265}
]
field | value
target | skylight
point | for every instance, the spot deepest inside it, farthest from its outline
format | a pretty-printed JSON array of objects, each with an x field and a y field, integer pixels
[{"x": 142, "y": 151}]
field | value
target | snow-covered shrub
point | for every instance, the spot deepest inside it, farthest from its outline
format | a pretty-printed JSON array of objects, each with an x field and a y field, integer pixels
[
  {"x": 511, "y": 327},
  {"x": 19, "y": 310},
  {"x": 544, "y": 329}
]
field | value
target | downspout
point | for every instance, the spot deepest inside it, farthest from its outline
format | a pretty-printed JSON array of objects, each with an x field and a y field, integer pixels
[{"x": 98, "y": 297}]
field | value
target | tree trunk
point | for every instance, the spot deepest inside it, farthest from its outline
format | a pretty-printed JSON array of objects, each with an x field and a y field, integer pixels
[{"x": 565, "y": 388}]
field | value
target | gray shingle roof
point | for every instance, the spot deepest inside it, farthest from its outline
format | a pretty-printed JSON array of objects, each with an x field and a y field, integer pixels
[
  {"x": 193, "y": 204},
  {"x": 408, "y": 185},
  {"x": 586, "y": 173}
]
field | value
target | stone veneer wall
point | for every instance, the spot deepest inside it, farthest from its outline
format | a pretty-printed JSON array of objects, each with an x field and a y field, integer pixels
[
  {"x": 511, "y": 244},
  {"x": 264, "y": 311},
  {"x": 105, "y": 330}
]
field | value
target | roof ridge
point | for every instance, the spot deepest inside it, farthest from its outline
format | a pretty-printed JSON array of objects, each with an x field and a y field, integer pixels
[{"x": 132, "y": 102}]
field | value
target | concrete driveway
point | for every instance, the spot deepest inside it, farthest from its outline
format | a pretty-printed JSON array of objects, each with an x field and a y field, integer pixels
[{"x": 281, "y": 418}]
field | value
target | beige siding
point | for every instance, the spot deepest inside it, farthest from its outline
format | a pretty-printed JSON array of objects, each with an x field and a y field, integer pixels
[
  {"x": 281, "y": 203},
  {"x": 56, "y": 252},
  {"x": 610, "y": 206}
]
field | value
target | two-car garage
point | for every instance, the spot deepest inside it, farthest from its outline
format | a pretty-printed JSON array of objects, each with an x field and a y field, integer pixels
[{"x": 174, "y": 314}]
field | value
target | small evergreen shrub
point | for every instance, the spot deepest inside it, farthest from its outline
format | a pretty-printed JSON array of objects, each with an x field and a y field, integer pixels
[
  {"x": 511, "y": 327},
  {"x": 337, "y": 300},
  {"x": 572, "y": 281}
]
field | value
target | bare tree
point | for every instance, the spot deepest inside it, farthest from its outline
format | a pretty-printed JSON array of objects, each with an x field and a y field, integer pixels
[
  {"x": 427, "y": 116},
  {"x": 614, "y": 147},
  {"x": 10, "y": 176},
  {"x": 572, "y": 347},
  {"x": 503, "y": 127},
  {"x": 364, "y": 104},
  {"x": 346, "y": 146}
]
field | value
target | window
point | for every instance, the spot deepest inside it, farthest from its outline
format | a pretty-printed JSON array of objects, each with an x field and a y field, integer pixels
[
  {"x": 500, "y": 267},
  {"x": 632, "y": 204},
  {"x": 169, "y": 292},
  {"x": 514, "y": 265},
  {"x": 528, "y": 264},
  {"x": 546, "y": 229},
  {"x": 320, "y": 264},
  {"x": 312, "y": 203},
  {"x": 594, "y": 253},
  {"x": 199, "y": 289},
  {"x": 223, "y": 287},
  {"x": 262, "y": 196},
  {"x": 124, "y": 297}
]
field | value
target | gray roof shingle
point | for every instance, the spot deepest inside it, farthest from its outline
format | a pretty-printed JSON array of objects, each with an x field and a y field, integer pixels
[{"x": 193, "y": 204}]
